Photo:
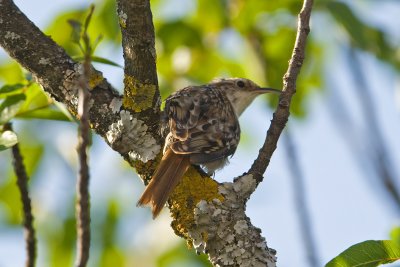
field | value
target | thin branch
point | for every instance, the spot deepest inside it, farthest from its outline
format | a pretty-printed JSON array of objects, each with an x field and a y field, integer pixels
[
  {"x": 299, "y": 190},
  {"x": 83, "y": 202},
  {"x": 281, "y": 114},
  {"x": 22, "y": 182}
]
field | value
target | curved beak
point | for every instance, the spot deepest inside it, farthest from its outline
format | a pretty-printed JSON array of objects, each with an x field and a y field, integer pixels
[{"x": 264, "y": 90}]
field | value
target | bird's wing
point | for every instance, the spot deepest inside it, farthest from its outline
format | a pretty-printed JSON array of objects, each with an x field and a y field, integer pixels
[{"x": 203, "y": 124}]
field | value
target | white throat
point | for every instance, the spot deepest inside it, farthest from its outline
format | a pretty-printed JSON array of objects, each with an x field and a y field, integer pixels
[{"x": 240, "y": 101}]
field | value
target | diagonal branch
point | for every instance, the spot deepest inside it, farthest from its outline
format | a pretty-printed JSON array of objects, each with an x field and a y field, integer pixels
[
  {"x": 52, "y": 67},
  {"x": 58, "y": 74},
  {"x": 282, "y": 112}
]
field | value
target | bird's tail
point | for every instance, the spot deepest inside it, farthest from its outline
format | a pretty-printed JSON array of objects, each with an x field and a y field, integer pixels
[{"x": 168, "y": 174}]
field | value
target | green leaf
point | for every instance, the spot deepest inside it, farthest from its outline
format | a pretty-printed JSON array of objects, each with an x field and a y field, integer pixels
[
  {"x": 11, "y": 72},
  {"x": 61, "y": 107},
  {"x": 7, "y": 140},
  {"x": 98, "y": 60},
  {"x": 76, "y": 30},
  {"x": 9, "y": 88},
  {"x": 35, "y": 99},
  {"x": 395, "y": 235},
  {"x": 60, "y": 31},
  {"x": 367, "y": 254},
  {"x": 10, "y": 107},
  {"x": 105, "y": 61},
  {"x": 44, "y": 114}
]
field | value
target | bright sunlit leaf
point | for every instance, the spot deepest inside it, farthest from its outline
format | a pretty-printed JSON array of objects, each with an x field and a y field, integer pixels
[
  {"x": 99, "y": 60},
  {"x": 7, "y": 140},
  {"x": 367, "y": 254},
  {"x": 44, "y": 114},
  {"x": 10, "y": 106},
  {"x": 9, "y": 88},
  {"x": 395, "y": 235}
]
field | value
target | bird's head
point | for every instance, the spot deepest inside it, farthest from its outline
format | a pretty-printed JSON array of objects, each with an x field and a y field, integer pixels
[{"x": 241, "y": 92}]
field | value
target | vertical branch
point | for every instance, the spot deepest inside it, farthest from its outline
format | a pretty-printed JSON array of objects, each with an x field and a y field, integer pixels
[
  {"x": 138, "y": 42},
  {"x": 299, "y": 190},
  {"x": 141, "y": 95},
  {"x": 22, "y": 182},
  {"x": 83, "y": 204}
]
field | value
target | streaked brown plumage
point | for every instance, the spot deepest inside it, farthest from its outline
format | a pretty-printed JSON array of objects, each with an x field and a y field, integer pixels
[{"x": 203, "y": 130}]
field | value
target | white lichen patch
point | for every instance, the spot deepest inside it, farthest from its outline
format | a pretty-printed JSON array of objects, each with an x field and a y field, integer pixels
[
  {"x": 240, "y": 226},
  {"x": 225, "y": 232},
  {"x": 116, "y": 104},
  {"x": 44, "y": 61},
  {"x": 122, "y": 17},
  {"x": 12, "y": 35},
  {"x": 130, "y": 135},
  {"x": 245, "y": 185}
]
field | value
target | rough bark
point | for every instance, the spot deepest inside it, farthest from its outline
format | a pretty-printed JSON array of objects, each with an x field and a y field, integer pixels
[{"x": 22, "y": 183}]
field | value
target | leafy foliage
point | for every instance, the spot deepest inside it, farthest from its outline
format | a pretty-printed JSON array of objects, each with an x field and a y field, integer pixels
[
  {"x": 367, "y": 254},
  {"x": 27, "y": 100}
]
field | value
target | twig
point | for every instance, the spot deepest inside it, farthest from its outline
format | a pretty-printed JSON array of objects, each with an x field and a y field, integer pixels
[
  {"x": 299, "y": 190},
  {"x": 83, "y": 203},
  {"x": 281, "y": 114},
  {"x": 22, "y": 182}
]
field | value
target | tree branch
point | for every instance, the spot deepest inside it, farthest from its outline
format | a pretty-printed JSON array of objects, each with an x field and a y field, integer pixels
[
  {"x": 141, "y": 94},
  {"x": 282, "y": 113},
  {"x": 138, "y": 42},
  {"x": 22, "y": 182},
  {"x": 83, "y": 198}
]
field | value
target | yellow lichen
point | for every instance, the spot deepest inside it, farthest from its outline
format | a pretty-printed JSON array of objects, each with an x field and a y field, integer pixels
[
  {"x": 95, "y": 79},
  {"x": 122, "y": 22},
  {"x": 138, "y": 96},
  {"x": 192, "y": 188},
  {"x": 146, "y": 169}
]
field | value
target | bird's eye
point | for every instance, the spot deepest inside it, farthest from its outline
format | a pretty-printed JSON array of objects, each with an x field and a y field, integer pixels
[{"x": 240, "y": 84}]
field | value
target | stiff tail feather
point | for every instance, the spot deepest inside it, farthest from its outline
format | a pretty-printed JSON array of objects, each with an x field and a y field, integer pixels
[{"x": 167, "y": 176}]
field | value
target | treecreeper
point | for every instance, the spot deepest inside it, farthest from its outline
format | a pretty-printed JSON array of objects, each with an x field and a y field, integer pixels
[{"x": 203, "y": 130}]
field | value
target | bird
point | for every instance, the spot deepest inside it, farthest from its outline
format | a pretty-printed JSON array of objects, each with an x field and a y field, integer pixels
[{"x": 203, "y": 129}]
